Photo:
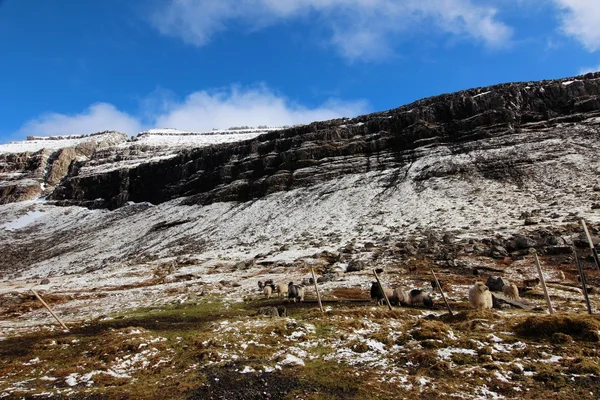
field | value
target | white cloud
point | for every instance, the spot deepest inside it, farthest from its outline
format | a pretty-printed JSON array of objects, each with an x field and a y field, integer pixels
[
  {"x": 256, "y": 106},
  {"x": 359, "y": 29},
  {"x": 200, "y": 111},
  {"x": 586, "y": 70},
  {"x": 98, "y": 117},
  {"x": 581, "y": 20}
]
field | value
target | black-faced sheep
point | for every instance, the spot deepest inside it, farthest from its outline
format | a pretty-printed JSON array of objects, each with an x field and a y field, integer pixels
[
  {"x": 418, "y": 297},
  {"x": 377, "y": 294},
  {"x": 261, "y": 285},
  {"x": 480, "y": 296},
  {"x": 295, "y": 292},
  {"x": 511, "y": 291}
]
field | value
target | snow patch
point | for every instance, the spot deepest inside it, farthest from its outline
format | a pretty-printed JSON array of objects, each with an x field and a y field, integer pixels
[{"x": 23, "y": 221}]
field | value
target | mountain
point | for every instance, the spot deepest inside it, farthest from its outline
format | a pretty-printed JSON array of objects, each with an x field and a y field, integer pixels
[
  {"x": 466, "y": 184},
  {"x": 474, "y": 160}
]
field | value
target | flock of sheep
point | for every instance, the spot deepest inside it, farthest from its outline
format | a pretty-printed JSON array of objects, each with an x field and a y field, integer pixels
[
  {"x": 480, "y": 296},
  {"x": 291, "y": 291}
]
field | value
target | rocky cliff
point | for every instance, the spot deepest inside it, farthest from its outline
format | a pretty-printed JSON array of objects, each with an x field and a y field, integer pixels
[
  {"x": 482, "y": 162},
  {"x": 34, "y": 168},
  {"x": 497, "y": 132}
]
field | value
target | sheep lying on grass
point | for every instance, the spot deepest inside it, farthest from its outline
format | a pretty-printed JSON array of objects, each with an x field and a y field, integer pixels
[
  {"x": 480, "y": 296},
  {"x": 418, "y": 297},
  {"x": 377, "y": 294},
  {"x": 398, "y": 296}
]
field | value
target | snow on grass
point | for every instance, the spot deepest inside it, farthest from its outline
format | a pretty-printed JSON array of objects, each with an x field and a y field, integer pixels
[
  {"x": 446, "y": 353},
  {"x": 483, "y": 392},
  {"x": 291, "y": 360}
]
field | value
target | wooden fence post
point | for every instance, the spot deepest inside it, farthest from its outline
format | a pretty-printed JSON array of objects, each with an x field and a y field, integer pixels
[
  {"x": 317, "y": 289},
  {"x": 49, "y": 309},
  {"x": 589, "y": 238},
  {"x": 382, "y": 291},
  {"x": 543, "y": 282},
  {"x": 583, "y": 282},
  {"x": 442, "y": 292}
]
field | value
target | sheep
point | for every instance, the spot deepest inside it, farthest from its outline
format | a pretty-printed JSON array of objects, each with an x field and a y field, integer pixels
[
  {"x": 480, "y": 296},
  {"x": 281, "y": 289},
  {"x": 261, "y": 285},
  {"x": 268, "y": 290},
  {"x": 511, "y": 291},
  {"x": 400, "y": 296},
  {"x": 295, "y": 292},
  {"x": 531, "y": 282},
  {"x": 419, "y": 297},
  {"x": 307, "y": 281},
  {"x": 377, "y": 294}
]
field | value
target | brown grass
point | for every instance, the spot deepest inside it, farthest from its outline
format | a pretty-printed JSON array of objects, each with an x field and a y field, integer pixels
[{"x": 579, "y": 327}]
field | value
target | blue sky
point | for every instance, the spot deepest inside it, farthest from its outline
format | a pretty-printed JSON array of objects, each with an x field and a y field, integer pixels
[{"x": 72, "y": 66}]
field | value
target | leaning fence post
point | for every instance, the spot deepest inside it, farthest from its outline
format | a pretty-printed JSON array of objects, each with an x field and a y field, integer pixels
[
  {"x": 382, "y": 291},
  {"x": 317, "y": 289},
  {"x": 49, "y": 309},
  {"x": 442, "y": 292},
  {"x": 589, "y": 238},
  {"x": 543, "y": 282},
  {"x": 583, "y": 283}
]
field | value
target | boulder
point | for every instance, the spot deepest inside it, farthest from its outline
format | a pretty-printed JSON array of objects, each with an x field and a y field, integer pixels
[
  {"x": 520, "y": 242},
  {"x": 356, "y": 265},
  {"x": 498, "y": 252},
  {"x": 495, "y": 284}
]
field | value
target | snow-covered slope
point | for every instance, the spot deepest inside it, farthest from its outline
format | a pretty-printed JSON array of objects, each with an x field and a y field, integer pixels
[{"x": 37, "y": 143}]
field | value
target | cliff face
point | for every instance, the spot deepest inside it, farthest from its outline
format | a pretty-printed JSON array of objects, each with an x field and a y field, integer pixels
[
  {"x": 460, "y": 134},
  {"x": 496, "y": 132},
  {"x": 32, "y": 169}
]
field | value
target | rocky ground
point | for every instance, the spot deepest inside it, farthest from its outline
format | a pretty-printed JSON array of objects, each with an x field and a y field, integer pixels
[{"x": 195, "y": 325}]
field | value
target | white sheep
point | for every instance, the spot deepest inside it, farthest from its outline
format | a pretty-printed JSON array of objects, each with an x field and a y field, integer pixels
[
  {"x": 511, "y": 290},
  {"x": 282, "y": 289},
  {"x": 268, "y": 290},
  {"x": 400, "y": 296},
  {"x": 480, "y": 296}
]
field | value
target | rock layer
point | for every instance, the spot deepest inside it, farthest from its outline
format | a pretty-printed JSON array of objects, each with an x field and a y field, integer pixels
[{"x": 495, "y": 132}]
